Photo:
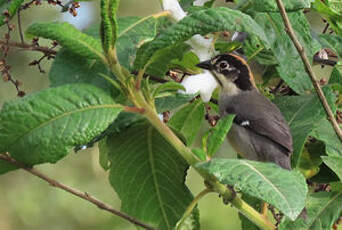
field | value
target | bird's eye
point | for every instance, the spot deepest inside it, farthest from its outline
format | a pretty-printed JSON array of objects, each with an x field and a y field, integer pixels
[{"x": 223, "y": 65}]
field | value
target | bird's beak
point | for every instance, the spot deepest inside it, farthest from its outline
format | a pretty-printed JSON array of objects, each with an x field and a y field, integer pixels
[{"x": 205, "y": 65}]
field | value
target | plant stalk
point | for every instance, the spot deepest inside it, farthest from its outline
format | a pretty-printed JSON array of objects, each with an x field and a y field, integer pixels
[{"x": 301, "y": 51}]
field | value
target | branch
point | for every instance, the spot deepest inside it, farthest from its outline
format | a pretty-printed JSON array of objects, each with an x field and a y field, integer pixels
[
  {"x": 82, "y": 195},
  {"x": 29, "y": 47},
  {"x": 308, "y": 69},
  {"x": 322, "y": 61}
]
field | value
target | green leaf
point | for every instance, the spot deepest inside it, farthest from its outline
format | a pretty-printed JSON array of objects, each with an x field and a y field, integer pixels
[
  {"x": 336, "y": 75},
  {"x": 331, "y": 13},
  {"x": 323, "y": 209},
  {"x": 149, "y": 176},
  {"x": 133, "y": 31},
  {"x": 311, "y": 160},
  {"x": 109, "y": 24},
  {"x": 12, "y": 8},
  {"x": 215, "y": 136},
  {"x": 270, "y": 5},
  {"x": 325, "y": 132},
  {"x": 173, "y": 101},
  {"x": 291, "y": 68},
  {"x": 185, "y": 4},
  {"x": 254, "y": 49},
  {"x": 333, "y": 42},
  {"x": 70, "y": 38},
  {"x": 201, "y": 22},
  {"x": 335, "y": 163},
  {"x": 285, "y": 190},
  {"x": 44, "y": 126},
  {"x": 188, "y": 120},
  {"x": 200, "y": 154},
  {"x": 103, "y": 154},
  {"x": 303, "y": 114},
  {"x": 160, "y": 63},
  {"x": 168, "y": 86},
  {"x": 68, "y": 68},
  {"x": 325, "y": 175},
  {"x": 187, "y": 64},
  {"x": 227, "y": 47}
]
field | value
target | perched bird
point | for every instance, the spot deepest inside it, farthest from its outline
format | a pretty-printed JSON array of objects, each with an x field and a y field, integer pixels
[{"x": 259, "y": 131}]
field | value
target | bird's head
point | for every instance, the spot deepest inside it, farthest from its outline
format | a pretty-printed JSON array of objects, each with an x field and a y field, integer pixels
[{"x": 231, "y": 71}]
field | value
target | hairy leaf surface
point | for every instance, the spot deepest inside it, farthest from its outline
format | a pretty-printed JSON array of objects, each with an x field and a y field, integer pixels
[
  {"x": 303, "y": 114},
  {"x": 201, "y": 22},
  {"x": 285, "y": 190},
  {"x": 291, "y": 68},
  {"x": 323, "y": 209},
  {"x": 188, "y": 120},
  {"x": 109, "y": 24},
  {"x": 69, "y": 37},
  {"x": 148, "y": 175},
  {"x": 44, "y": 126},
  {"x": 270, "y": 5}
]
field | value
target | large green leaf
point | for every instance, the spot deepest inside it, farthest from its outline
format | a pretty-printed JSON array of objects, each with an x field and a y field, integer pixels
[
  {"x": 271, "y": 5},
  {"x": 201, "y": 22},
  {"x": 285, "y": 190},
  {"x": 303, "y": 114},
  {"x": 335, "y": 163},
  {"x": 109, "y": 24},
  {"x": 291, "y": 68},
  {"x": 44, "y": 126},
  {"x": 69, "y": 37},
  {"x": 148, "y": 175},
  {"x": 323, "y": 209},
  {"x": 68, "y": 68},
  {"x": 11, "y": 6},
  {"x": 215, "y": 136},
  {"x": 188, "y": 120}
]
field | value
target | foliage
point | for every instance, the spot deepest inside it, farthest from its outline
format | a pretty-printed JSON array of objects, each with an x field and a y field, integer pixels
[{"x": 109, "y": 83}]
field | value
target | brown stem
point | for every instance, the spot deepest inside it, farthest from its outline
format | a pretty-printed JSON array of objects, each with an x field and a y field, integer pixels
[
  {"x": 20, "y": 28},
  {"x": 308, "y": 68},
  {"x": 322, "y": 61},
  {"x": 26, "y": 46},
  {"x": 82, "y": 195}
]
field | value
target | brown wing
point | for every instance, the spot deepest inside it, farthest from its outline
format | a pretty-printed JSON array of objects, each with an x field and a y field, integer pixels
[{"x": 256, "y": 113}]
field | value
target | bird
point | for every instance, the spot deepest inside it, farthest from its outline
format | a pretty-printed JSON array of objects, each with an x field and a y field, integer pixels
[{"x": 259, "y": 131}]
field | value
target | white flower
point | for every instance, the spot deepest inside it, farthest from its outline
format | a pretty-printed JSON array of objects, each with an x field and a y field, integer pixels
[
  {"x": 204, "y": 83},
  {"x": 200, "y": 2}
]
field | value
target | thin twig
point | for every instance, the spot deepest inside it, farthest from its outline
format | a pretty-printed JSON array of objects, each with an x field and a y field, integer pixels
[
  {"x": 308, "y": 68},
  {"x": 191, "y": 207},
  {"x": 30, "y": 47},
  {"x": 322, "y": 61},
  {"x": 82, "y": 195},
  {"x": 20, "y": 28}
]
